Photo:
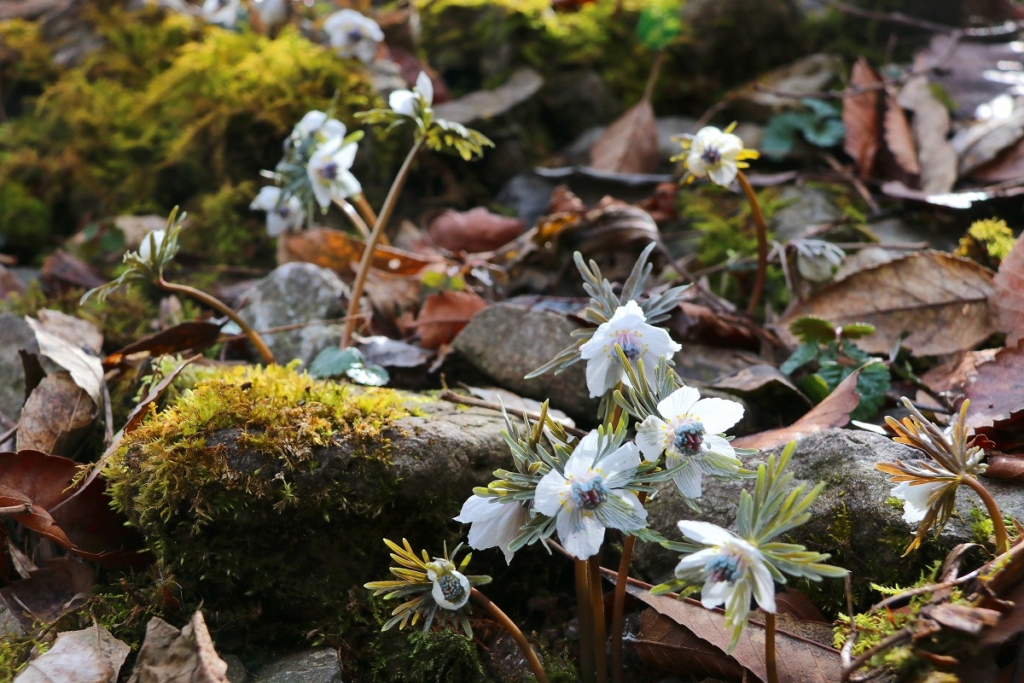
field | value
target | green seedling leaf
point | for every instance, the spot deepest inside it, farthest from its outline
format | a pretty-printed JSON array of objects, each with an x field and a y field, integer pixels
[
  {"x": 803, "y": 355},
  {"x": 815, "y": 387},
  {"x": 334, "y": 362},
  {"x": 814, "y": 329},
  {"x": 856, "y": 330}
]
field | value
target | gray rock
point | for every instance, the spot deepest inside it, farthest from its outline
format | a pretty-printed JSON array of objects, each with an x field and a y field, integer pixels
[
  {"x": 528, "y": 194},
  {"x": 236, "y": 669},
  {"x": 506, "y": 341},
  {"x": 15, "y": 334},
  {"x": 855, "y": 518},
  {"x": 310, "y": 666},
  {"x": 296, "y": 293},
  {"x": 576, "y": 100},
  {"x": 806, "y": 206}
]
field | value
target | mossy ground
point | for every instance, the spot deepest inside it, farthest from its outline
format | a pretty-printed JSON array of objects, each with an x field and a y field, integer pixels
[{"x": 168, "y": 112}]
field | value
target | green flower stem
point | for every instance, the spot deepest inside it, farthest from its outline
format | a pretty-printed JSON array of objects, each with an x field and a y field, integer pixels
[
  {"x": 353, "y": 217},
  {"x": 585, "y": 618},
  {"x": 762, "y": 242},
  {"x": 499, "y": 616},
  {"x": 619, "y": 600},
  {"x": 373, "y": 240},
  {"x": 998, "y": 523},
  {"x": 769, "y": 648},
  {"x": 219, "y": 306},
  {"x": 597, "y": 610}
]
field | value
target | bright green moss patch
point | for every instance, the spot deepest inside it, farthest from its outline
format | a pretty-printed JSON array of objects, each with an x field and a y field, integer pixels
[{"x": 265, "y": 492}]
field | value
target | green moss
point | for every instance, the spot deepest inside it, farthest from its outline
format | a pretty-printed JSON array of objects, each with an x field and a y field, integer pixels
[
  {"x": 24, "y": 218},
  {"x": 428, "y": 658},
  {"x": 15, "y": 652},
  {"x": 168, "y": 112},
  {"x": 265, "y": 492}
]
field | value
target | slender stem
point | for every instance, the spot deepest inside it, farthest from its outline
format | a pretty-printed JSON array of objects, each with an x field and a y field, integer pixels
[
  {"x": 998, "y": 523},
  {"x": 619, "y": 600},
  {"x": 225, "y": 310},
  {"x": 585, "y": 618},
  {"x": 652, "y": 78},
  {"x": 762, "y": 242},
  {"x": 354, "y": 217},
  {"x": 513, "y": 630},
  {"x": 769, "y": 648},
  {"x": 21, "y": 509},
  {"x": 364, "y": 208},
  {"x": 597, "y": 608},
  {"x": 371, "y": 242}
]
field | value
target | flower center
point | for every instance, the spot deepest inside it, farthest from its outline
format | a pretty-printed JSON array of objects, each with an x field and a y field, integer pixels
[
  {"x": 354, "y": 36},
  {"x": 329, "y": 171},
  {"x": 711, "y": 156},
  {"x": 724, "y": 568},
  {"x": 451, "y": 588},
  {"x": 630, "y": 347},
  {"x": 589, "y": 495},
  {"x": 689, "y": 437}
]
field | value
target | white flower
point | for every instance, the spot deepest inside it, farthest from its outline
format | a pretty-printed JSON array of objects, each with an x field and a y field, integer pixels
[
  {"x": 732, "y": 570},
  {"x": 405, "y": 102},
  {"x": 319, "y": 125},
  {"x": 589, "y": 496},
  {"x": 281, "y": 216},
  {"x": 221, "y": 12},
  {"x": 629, "y": 329},
  {"x": 494, "y": 524},
  {"x": 151, "y": 244},
  {"x": 916, "y": 498},
  {"x": 451, "y": 588},
  {"x": 690, "y": 432},
  {"x": 353, "y": 35},
  {"x": 328, "y": 171},
  {"x": 716, "y": 155}
]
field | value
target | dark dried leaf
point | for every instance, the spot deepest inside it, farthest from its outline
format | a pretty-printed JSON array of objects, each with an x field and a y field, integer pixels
[
  {"x": 341, "y": 253},
  {"x": 48, "y": 590},
  {"x": 37, "y": 519},
  {"x": 444, "y": 314},
  {"x": 473, "y": 231},
  {"x": 997, "y": 389},
  {"x": 57, "y": 416},
  {"x": 1008, "y": 294},
  {"x": 193, "y": 334},
  {"x": 630, "y": 145},
  {"x": 861, "y": 118}
]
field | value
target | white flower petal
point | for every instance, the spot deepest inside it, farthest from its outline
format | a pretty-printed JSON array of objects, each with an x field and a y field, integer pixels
[
  {"x": 493, "y": 523},
  {"x": 653, "y": 437},
  {"x": 688, "y": 479},
  {"x": 580, "y": 534},
  {"x": 678, "y": 403},
  {"x": 715, "y": 593},
  {"x": 151, "y": 244},
  {"x": 603, "y": 374},
  {"x": 695, "y": 165},
  {"x": 552, "y": 491},
  {"x": 723, "y": 173},
  {"x": 916, "y": 498},
  {"x": 266, "y": 199},
  {"x": 625, "y": 458},
  {"x": 402, "y": 102},
  {"x": 705, "y": 532},
  {"x": 425, "y": 87},
  {"x": 697, "y": 560},
  {"x": 717, "y": 414},
  {"x": 764, "y": 585},
  {"x": 439, "y": 597}
]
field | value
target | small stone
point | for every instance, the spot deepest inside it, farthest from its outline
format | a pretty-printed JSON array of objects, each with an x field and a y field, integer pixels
[
  {"x": 15, "y": 335},
  {"x": 309, "y": 666},
  {"x": 292, "y": 294},
  {"x": 805, "y": 207}
]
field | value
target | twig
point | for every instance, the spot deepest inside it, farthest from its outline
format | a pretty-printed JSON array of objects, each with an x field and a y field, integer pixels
[
  {"x": 353, "y": 216},
  {"x": 1005, "y": 28},
  {"x": 462, "y": 399},
  {"x": 8, "y": 434},
  {"x": 762, "y": 242},
  {"x": 891, "y": 641},
  {"x": 22, "y": 509},
  {"x": 287, "y": 328}
]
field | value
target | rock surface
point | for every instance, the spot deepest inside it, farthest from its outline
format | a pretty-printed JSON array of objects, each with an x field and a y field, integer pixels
[
  {"x": 310, "y": 666},
  {"x": 15, "y": 334},
  {"x": 296, "y": 293},
  {"x": 507, "y": 340},
  {"x": 854, "y": 518}
]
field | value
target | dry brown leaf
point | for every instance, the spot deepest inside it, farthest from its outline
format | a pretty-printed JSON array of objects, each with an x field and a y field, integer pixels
[
  {"x": 941, "y": 300},
  {"x": 834, "y": 411},
  {"x": 85, "y": 369},
  {"x": 341, "y": 253},
  {"x": 168, "y": 654},
  {"x": 61, "y": 269},
  {"x": 473, "y": 231},
  {"x": 444, "y": 314},
  {"x": 799, "y": 660},
  {"x": 661, "y": 643},
  {"x": 861, "y": 118},
  {"x": 1009, "y": 468},
  {"x": 50, "y": 591},
  {"x": 899, "y": 139},
  {"x": 630, "y": 145},
  {"x": 192, "y": 334},
  {"x": 1008, "y": 294},
  {"x": 36, "y": 518},
  {"x": 81, "y": 333},
  {"x": 954, "y": 374},
  {"x": 44, "y": 478},
  {"x": 57, "y": 416},
  {"x": 91, "y": 655},
  {"x": 997, "y": 389},
  {"x": 931, "y": 130}
]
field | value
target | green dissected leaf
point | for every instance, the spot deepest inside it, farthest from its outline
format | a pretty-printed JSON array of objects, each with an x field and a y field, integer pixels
[
  {"x": 821, "y": 108},
  {"x": 813, "y": 328},
  {"x": 803, "y": 355},
  {"x": 872, "y": 384},
  {"x": 780, "y": 134},
  {"x": 658, "y": 26}
]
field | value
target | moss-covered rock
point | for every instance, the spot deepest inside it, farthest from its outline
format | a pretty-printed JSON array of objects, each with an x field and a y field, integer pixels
[
  {"x": 266, "y": 493},
  {"x": 168, "y": 112}
]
